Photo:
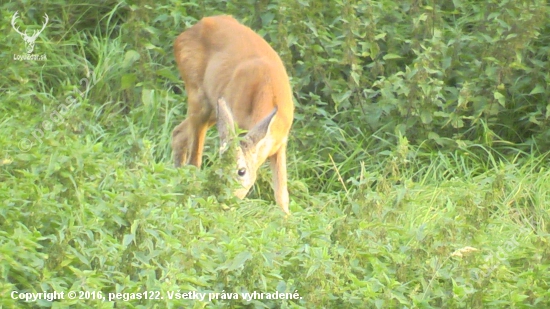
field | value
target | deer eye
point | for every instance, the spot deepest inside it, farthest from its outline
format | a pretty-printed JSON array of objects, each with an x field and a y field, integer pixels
[{"x": 241, "y": 172}]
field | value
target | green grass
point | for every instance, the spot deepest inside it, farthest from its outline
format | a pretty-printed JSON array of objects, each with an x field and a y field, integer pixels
[{"x": 91, "y": 201}]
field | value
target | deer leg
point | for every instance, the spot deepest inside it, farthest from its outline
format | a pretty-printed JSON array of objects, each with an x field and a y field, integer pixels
[
  {"x": 198, "y": 144},
  {"x": 181, "y": 143},
  {"x": 278, "y": 168},
  {"x": 188, "y": 137}
]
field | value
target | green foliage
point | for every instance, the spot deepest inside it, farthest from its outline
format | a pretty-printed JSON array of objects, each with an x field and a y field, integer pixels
[
  {"x": 418, "y": 159},
  {"x": 435, "y": 72}
]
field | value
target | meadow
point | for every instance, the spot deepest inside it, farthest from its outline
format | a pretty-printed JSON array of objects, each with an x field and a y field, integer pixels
[{"x": 418, "y": 160}]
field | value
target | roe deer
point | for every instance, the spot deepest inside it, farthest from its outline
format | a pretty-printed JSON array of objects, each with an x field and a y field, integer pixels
[{"x": 232, "y": 76}]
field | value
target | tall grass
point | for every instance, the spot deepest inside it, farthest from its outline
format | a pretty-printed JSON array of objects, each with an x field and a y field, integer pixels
[{"x": 91, "y": 201}]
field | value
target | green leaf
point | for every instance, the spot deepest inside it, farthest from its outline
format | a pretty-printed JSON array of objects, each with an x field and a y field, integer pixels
[
  {"x": 127, "y": 81},
  {"x": 391, "y": 56},
  {"x": 128, "y": 238},
  {"x": 281, "y": 286},
  {"x": 538, "y": 89},
  {"x": 338, "y": 99},
  {"x": 147, "y": 96},
  {"x": 456, "y": 121},
  {"x": 426, "y": 116},
  {"x": 441, "y": 114},
  {"x": 312, "y": 269},
  {"x": 130, "y": 57},
  {"x": 500, "y": 98},
  {"x": 167, "y": 73},
  {"x": 380, "y": 36},
  {"x": 239, "y": 260},
  {"x": 433, "y": 135},
  {"x": 356, "y": 77}
]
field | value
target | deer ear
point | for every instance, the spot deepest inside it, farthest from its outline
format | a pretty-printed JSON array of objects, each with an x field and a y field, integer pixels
[
  {"x": 261, "y": 130},
  {"x": 225, "y": 123}
]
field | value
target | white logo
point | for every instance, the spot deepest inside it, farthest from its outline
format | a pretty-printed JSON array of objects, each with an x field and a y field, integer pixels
[{"x": 29, "y": 40}]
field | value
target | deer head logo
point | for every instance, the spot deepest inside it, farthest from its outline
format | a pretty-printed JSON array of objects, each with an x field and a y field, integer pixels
[{"x": 29, "y": 40}]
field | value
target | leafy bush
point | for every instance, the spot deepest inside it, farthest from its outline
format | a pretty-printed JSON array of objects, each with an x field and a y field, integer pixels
[{"x": 417, "y": 160}]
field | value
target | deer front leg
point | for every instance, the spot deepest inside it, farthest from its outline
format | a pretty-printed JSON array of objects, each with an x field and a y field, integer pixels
[{"x": 278, "y": 168}]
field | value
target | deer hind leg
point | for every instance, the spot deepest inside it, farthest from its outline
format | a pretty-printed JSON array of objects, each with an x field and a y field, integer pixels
[
  {"x": 278, "y": 168},
  {"x": 188, "y": 137},
  {"x": 181, "y": 141}
]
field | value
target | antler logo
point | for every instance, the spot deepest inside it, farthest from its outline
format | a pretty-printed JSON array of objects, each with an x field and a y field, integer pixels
[{"x": 29, "y": 40}]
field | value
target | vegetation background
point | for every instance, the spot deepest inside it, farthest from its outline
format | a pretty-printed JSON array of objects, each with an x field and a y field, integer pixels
[{"x": 418, "y": 159}]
